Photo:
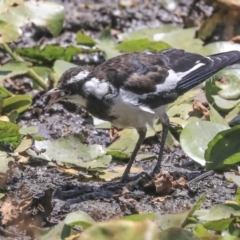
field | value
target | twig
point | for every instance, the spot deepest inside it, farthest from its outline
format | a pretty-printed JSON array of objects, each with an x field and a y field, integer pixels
[{"x": 31, "y": 72}]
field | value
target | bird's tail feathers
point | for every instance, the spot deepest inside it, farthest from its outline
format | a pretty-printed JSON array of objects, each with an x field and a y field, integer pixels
[{"x": 210, "y": 65}]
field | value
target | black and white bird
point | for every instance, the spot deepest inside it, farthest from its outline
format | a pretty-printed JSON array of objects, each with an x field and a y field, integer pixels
[{"x": 133, "y": 89}]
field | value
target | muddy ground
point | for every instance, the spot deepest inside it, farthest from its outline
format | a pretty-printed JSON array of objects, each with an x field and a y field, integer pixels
[{"x": 41, "y": 194}]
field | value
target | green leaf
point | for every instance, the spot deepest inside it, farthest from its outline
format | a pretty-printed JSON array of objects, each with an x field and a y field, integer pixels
[
  {"x": 47, "y": 14},
  {"x": 13, "y": 68},
  {"x": 175, "y": 233},
  {"x": 60, "y": 66},
  {"x": 230, "y": 86},
  {"x": 237, "y": 197},
  {"x": 44, "y": 73},
  {"x": 218, "y": 47},
  {"x": 13, "y": 116},
  {"x": 123, "y": 146},
  {"x": 69, "y": 150},
  {"x": 139, "y": 45},
  {"x": 216, "y": 117},
  {"x": 221, "y": 211},
  {"x": 223, "y": 104},
  {"x": 50, "y": 52},
  {"x": 167, "y": 221},
  {"x": 60, "y": 231},
  {"x": 79, "y": 218},
  {"x": 106, "y": 44},
  {"x": 4, "y": 93},
  {"x": 182, "y": 39},
  {"x": 201, "y": 231},
  {"x": 218, "y": 225},
  {"x": 227, "y": 141},
  {"x": 28, "y": 130},
  {"x": 181, "y": 111},
  {"x": 147, "y": 32},
  {"x": 8, "y": 32},
  {"x": 9, "y": 133},
  {"x": 186, "y": 97},
  {"x": 195, "y": 137},
  {"x": 84, "y": 39},
  {"x": 20, "y": 103}
]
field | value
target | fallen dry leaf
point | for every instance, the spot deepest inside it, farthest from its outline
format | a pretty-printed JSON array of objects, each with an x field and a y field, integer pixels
[
  {"x": 199, "y": 107},
  {"x": 164, "y": 183},
  {"x": 11, "y": 212},
  {"x": 114, "y": 134}
]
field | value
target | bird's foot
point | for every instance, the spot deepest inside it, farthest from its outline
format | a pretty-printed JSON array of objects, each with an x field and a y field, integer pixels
[{"x": 132, "y": 181}]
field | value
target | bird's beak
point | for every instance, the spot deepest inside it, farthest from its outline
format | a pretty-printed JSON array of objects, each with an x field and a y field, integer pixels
[{"x": 56, "y": 95}]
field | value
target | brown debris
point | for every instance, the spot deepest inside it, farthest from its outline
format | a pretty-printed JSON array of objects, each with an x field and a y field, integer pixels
[
  {"x": 164, "y": 183},
  {"x": 199, "y": 107},
  {"x": 130, "y": 204},
  {"x": 114, "y": 134}
]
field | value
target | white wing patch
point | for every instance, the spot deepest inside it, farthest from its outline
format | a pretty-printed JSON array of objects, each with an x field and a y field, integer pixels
[
  {"x": 80, "y": 76},
  {"x": 96, "y": 87},
  {"x": 130, "y": 98},
  {"x": 180, "y": 75}
]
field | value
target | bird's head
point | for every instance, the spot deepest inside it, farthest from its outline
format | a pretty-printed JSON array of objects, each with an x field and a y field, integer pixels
[{"x": 70, "y": 86}]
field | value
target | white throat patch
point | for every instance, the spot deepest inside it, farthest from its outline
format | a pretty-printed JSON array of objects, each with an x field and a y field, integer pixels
[{"x": 80, "y": 76}]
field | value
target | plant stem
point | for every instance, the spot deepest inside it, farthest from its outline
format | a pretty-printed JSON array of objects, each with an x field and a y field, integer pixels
[{"x": 31, "y": 72}]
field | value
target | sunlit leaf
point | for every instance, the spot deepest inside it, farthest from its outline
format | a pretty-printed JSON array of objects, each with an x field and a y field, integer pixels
[
  {"x": 218, "y": 47},
  {"x": 8, "y": 32},
  {"x": 218, "y": 225},
  {"x": 47, "y": 14},
  {"x": 140, "y": 45},
  {"x": 44, "y": 73},
  {"x": 60, "y": 66},
  {"x": 195, "y": 137},
  {"x": 28, "y": 130},
  {"x": 20, "y": 103},
  {"x": 147, "y": 32},
  {"x": 50, "y": 52},
  {"x": 216, "y": 117},
  {"x": 182, "y": 38},
  {"x": 221, "y": 211},
  {"x": 79, "y": 218},
  {"x": 71, "y": 151},
  {"x": 84, "y": 39},
  {"x": 25, "y": 144},
  {"x": 123, "y": 146},
  {"x": 201, "y": 231},
  {"x": 13, "y": 68},
  {"x": 237, "y": 197},
  {"x": 106, "y": 44}
]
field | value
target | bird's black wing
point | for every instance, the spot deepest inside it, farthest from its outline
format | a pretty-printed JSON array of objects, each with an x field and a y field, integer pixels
[{"x": 156, "y": 79}]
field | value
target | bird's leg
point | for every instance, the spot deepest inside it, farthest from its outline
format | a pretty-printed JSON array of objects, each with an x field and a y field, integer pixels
[
  {"x": 165, "y": 125},
  {"x": 142, "y": 134}
]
